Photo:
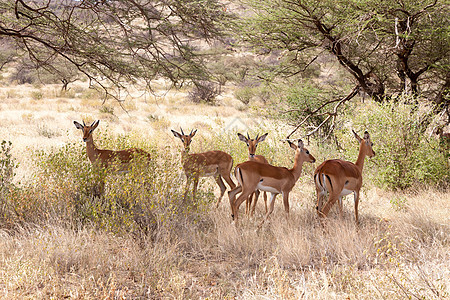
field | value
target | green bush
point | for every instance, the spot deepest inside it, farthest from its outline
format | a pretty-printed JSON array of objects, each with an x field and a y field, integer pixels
[
  {"x": 65, "y": 188},
  {"x": 405, "y": 156},
  {"x": 7, "y": 165},
  {"x": 244, "y": 94}
]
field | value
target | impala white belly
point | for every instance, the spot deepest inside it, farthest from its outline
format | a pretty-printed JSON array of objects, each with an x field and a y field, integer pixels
[
  {"x": 267, "y": 188},
  {"x": 345, "y": 192},
  {"x": 210, "y": 171}
]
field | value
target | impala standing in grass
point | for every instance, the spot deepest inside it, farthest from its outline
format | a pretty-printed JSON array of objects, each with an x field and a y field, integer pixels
[
  {"x": 340, "y": 178},
  {"x": 212, "y": 163},
  {"x": 252, "y": 144},
  {"x": 106, "y": 158},
  {"x": 252, "y": 175}
]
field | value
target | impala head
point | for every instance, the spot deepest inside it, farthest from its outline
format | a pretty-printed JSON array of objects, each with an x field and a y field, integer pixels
[
  {"x": 365, "y": 144},
  {"x": 87, "y": 129},
  {"x": 185, "y": 138},
  {"x": 252, "y": 143},
  {"x": 303, "y": 152}
]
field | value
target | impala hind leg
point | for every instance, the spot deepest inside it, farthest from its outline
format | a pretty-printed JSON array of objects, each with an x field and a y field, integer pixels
[
  {"x": 326, "y": 208},
  {"x": 248, "y": 203},
  {"x": 271, "y": 207},
  {"x": 340, "y": 207},
  {"x": 256, "y": 193},
  {"x": 225, "y": 173},
  {"x": 235, "y": 206},
  {"x": 223, "y": 188},
  {"x": 321, "y": 193},
  {"x": 232, "y": 197}
]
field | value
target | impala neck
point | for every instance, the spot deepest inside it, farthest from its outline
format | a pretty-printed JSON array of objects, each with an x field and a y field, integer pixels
[
  {"x": 184, "y": 154},
  {"x": 91, "y": 150},
  {"x": 360, "y": 161},
  {"x": 298, "y": 165}
]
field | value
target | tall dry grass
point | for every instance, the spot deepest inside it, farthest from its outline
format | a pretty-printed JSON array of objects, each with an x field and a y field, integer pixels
[{"x": 59, "y": 241}]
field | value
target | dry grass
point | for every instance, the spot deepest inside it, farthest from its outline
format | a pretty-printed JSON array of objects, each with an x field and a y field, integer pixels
[{"x": 400, "y": 250}]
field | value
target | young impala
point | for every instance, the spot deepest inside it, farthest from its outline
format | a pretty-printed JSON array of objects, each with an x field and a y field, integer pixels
[
  {"x": 339, "y": 178},
  {"x": 252, "y": 144},
  {"x": 106, "y": 158},
  {"x": 276, "y": 180},
  {"x": 212, "y": 163}
]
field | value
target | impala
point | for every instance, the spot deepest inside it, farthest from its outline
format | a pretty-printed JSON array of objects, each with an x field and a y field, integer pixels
[
  {"x": 252, "y": 175},
  {"x": 107, "y": 158},
  {"x": 252, "y": 144},
  {"x": 212, "y": 163},
  {"x": 339, "y": 178}
]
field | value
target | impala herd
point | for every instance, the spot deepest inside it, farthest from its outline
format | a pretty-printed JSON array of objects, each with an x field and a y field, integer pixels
[{"x": 335, "y": 177}]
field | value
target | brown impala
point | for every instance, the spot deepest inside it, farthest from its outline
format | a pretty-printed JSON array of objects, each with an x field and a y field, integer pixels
[
  {"x": 276, "y": 180},
  {"x": 212, "y": 163},
  {"x": 340, "y": 178},
  {"x": 107, "y": 157},
  {"x": 252, "y": 144}
]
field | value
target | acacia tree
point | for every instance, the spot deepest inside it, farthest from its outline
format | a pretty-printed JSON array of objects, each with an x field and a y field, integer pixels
[
  {"x": 118, "y": 42},
  {"x": 387, "y": 47}
]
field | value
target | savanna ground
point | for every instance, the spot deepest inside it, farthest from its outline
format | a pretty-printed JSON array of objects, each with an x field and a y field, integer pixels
[{"x": 138, "y": 241}]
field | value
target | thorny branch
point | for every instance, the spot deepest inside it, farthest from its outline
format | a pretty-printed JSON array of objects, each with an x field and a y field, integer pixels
[{"x": 331, "y": 114}]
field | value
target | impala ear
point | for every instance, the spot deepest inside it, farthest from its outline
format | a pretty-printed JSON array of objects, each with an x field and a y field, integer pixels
[
  {"x": 242, "y": 138},
  {"x": 94, "y": 125},
  {"x": 300, "y": 144},
  {"x": 78, "y": 125},
  {"x": 292, "y": 145},
  {"x": 356, "y": 136},
  {"x": 193, "y": 133},
  {"x": 176, "y": 134},
  {"x": 262, "y": 138},
  {"x": 366, "y": 135}
]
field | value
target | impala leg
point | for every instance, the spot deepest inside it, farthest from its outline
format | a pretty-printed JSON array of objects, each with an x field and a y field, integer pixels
[
  {"x": 265, "y": 201},
  {"x": 341, "y": 211},
  {"x": 232, "y": 197},
  {"x": 326, "y": 208},
  {"x": 356, "y": 193},
  {"x": 286, "y": 204},
  {"x": 257, "y": 192},
  {"x": 226, "y": 175},
  {"x": 320, "y": 196},
  {"x": 248, "y": 203},
  {"x": 271, "y": 207},
  {"x": 186, "y": 189},
  {"x": 242, "y": 197},
  {"x": 222, "y": 186},
  {"x": 194, "y": 189}
]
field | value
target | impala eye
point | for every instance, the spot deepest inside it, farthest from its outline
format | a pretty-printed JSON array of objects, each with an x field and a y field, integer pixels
[{"x": 307, "y": 152}]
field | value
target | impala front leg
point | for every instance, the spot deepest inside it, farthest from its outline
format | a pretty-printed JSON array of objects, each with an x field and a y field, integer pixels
[
  {"x": 356, "y": 207},
  {"x": 222, "y": 187},
  {"x": 194, "y": 189},
  {"x": 286, "y": 204},
  {"x": 271, "y": 207},
  {"x": 186, "y": 188}
]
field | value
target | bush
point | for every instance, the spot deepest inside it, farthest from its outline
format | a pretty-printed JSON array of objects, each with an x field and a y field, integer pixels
[
  {"x": 7, "y": 165},
  {"x": 404, "y": 154},
  {"x": 204, "y": 91},
  {"x": 245, "y": 94}
]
